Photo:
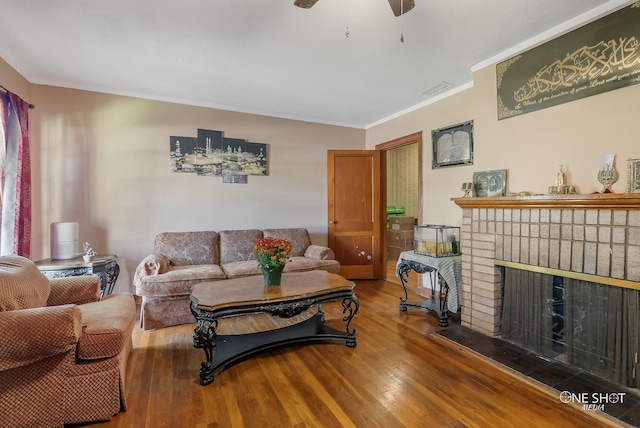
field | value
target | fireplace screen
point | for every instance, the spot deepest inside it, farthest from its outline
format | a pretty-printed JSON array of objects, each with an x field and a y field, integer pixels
[{"x": 589, "y": 325}]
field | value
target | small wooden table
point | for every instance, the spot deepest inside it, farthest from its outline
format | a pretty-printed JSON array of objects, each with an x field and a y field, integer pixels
[{"x": 212, "y": 301}]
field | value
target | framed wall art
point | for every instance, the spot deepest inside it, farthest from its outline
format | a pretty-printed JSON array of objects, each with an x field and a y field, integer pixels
[
  {"x": 633, "y": 175},
  {"x": 490, "y": 183},
  {"x": 212, "y": 154},
  {"x": 453, "y": 145},
  {"x": 597, "y": 57}
]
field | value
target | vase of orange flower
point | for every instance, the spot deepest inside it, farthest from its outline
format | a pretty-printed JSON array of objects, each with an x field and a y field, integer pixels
[{"x": 272, "y": 255}]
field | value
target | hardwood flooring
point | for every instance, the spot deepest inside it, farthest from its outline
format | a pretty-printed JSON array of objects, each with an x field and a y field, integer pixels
[{"x": 402, "y": 373}]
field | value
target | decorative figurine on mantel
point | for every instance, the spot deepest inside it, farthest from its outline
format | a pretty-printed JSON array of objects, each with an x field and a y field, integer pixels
[
  {"x": 561, "y": 188},
  {"x": 560, "y": 178},
  {"x": 607, "y": 175}
]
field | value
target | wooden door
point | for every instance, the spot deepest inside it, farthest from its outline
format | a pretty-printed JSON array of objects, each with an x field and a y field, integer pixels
[{"x": 354, "y": 212}]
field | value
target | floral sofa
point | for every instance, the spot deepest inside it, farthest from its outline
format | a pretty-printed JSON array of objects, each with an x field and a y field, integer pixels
[{"x": 165, "y": 279}]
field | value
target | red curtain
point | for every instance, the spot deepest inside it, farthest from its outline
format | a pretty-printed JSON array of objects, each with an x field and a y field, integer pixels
[{"x": 15, "y": 176}]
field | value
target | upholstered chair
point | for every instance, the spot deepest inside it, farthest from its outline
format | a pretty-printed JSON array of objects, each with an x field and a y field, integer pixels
[{"x": 63, "y": 351}]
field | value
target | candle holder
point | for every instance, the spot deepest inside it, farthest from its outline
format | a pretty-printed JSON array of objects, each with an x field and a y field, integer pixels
[
  {"x": 607, "y": 177},
  {"x": 467, "y": 188}
]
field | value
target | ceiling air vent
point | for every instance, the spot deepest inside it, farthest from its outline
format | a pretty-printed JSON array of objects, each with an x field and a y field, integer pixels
[{"x": 440, "y": 87}]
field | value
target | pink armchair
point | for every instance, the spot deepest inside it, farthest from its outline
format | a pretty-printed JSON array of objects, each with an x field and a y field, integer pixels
[{"x": 63, "y": 352}]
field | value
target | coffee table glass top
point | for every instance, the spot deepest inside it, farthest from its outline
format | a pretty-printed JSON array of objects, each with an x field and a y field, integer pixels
[{"x": 251, "y": 290}]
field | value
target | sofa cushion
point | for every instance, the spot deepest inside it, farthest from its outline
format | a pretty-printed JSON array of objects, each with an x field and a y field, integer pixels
[
  {"x": 237, "y": 245},
  {"x": 319, "y": 252},
  {"x": 188, "y": 248},
  {"x": 178, "y": 280},
  {"x": 298, "y": 237},
  {"x": 240, "y": 269},
  {"x": 22, "y": 285},
  {"x": 106, "y": 326},
  {"x": 301, "y": 264}
]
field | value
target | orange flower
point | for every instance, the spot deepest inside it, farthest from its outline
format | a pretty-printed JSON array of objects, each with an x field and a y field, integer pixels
[{"x": 272, "y": 252}]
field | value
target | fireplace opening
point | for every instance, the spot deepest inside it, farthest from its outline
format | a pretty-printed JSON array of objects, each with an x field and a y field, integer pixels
[{"x": 589, "y": 325}]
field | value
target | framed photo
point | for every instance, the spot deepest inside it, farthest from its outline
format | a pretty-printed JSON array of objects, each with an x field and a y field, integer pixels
[
  {"x": 453, "y": 145},
  {"x": 633, "y": 175},
  {"x": 490, "y": 183}
]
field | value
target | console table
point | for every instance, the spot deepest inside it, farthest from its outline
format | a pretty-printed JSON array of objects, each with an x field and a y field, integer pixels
[
  {"x": 105, "y": 267},
  {"x": 443, "y": 271}
]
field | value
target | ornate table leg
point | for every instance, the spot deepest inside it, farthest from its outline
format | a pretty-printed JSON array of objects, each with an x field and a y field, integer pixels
[
  {"x": 108, "y": 277},
  {"x": 351, "y": 312},
  {"x": 433, "y": 305},
  {"x": 204, "y": 338},
  {"x": 403, "y": 272},
  {"x": 443, "y": 319}
]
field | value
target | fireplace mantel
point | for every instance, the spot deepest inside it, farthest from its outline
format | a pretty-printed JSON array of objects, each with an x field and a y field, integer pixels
[
  {"x": 597, "y": 234},
  {"x": 610, "y": 201}
]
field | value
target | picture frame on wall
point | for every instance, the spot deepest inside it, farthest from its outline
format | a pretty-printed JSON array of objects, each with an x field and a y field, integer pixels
[
  {"x": 633, "y": 175},
  {"x": 453, "y": 145},
  {"x": 490, "y": 183}
]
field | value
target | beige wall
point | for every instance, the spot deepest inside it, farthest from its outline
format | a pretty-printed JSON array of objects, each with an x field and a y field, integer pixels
[
  {"x": 13, "y": 81},
  {"x": 103, "y": 160},
  {"x": 531, "y": 147}
]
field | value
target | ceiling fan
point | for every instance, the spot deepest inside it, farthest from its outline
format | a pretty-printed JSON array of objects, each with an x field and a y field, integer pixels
[{"x": 398, "y": 6}]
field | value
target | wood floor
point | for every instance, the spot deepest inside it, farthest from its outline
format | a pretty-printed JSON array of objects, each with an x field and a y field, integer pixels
[{"x": 401, "y": 373}]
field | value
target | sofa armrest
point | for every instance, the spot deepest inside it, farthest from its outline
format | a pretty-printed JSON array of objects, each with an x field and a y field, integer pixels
[
  {"x": 74, "y": 290},
  {"x": 155, "y": 264},
  {"x": 319, "y": 252},
  {"x": 31, "y": 335}
]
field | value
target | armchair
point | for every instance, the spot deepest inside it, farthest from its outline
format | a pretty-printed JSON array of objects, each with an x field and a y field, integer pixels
[{"x": 63, "y": 352}]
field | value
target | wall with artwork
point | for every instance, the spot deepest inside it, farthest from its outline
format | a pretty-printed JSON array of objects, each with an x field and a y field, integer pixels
[
  {"x": 104, "y": 161},
  {"x": 529, "y": 146}
]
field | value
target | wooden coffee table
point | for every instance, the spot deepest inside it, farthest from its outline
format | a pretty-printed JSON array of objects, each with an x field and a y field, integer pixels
[{"x": 213, "y": 301}]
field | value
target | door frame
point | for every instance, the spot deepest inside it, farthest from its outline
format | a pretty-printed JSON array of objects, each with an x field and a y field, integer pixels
[{"x": 415, "y": 138}]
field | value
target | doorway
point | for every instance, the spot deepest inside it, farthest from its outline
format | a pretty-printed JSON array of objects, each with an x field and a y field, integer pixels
[{"x": 401, "y": 188}]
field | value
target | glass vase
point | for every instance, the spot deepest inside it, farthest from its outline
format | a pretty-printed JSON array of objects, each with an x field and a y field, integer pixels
[{"x": 273, "y": 276}]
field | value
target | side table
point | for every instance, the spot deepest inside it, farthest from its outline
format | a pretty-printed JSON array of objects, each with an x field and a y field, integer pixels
[
  {"x": 105, "y": 266},
  {"x": 446, "y": 271}
]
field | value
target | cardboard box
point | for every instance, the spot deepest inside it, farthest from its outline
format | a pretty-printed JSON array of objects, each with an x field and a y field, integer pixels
[
  {"x": 393, "y": 253},
  {"x": 402, "y": 223},
  {"x": 402, "y": 239}
]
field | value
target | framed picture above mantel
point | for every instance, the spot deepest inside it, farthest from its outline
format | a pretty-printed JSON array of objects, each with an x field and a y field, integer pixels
[
  {"x": 490, "y": 183},
  {"x": 453, "y": 145}
]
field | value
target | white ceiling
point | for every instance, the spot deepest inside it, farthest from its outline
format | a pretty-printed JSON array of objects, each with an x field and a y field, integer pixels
[{"x": 270, "y": 57}]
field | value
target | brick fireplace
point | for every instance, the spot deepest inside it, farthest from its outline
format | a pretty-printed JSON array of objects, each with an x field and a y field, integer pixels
[{"x": 591, "y": 237}]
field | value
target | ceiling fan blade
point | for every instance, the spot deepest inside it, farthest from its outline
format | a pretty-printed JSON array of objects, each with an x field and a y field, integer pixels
[
  {"x": 401, "y": 6},
  {"x": 305, "y": 4}
]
